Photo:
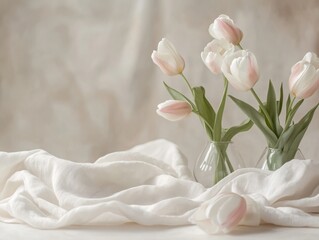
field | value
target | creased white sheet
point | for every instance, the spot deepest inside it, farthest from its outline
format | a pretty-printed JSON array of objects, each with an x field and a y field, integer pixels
[{"x": 150, "y": 185}]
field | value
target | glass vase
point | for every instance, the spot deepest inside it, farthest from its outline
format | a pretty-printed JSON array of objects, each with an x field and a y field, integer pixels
[
  {"x": 273, "y": 158},
  {"x": 217, "y": 160}
]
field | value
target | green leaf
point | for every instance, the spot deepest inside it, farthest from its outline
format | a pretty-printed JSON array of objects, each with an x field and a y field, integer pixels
[
  {"x": 176, "y": 95},
  {"x": 292, "y": 112},
  {"x": 292, "y": 148},
  {"x": 287, "y": 106},
  {"x": 231, "y": 132},
  {"x": 258, "y": 119},
  {"x": 264, "y": 111},
  {"x": 204, "y": 109},
  {"x": 284, "y": 137},
  {"x": 271, "y": 103},
  {"x": 208, "y": 128},
  {"x": 219, "y": 115},
  {"x": 281, "y": 99},
  {"x": 272, "y": 109},
  {"x": 299, "y": 128}
]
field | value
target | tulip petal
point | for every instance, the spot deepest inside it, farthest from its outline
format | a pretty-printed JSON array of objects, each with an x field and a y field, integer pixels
[
  {"x": 304, "y": 76},
  {"x": 220, "y": 214},
  {"x": 312, "y": 58},
  {"x": 223, "y": 27},
  {"x": 229, "y": 32},
  {"x": 245, "y": 71},
  {"x": 168, "y": 48},
  {"x": 241, "y": 69},
  {"x": 235, "y": 211},
  {"x": 167, "y": 58},
  {"x": 164, "y": 63},
  {"x": 214, "y": 53},
  {"x": 174, "y": 110},
  {"x": 302, "y": 82},
  {"x": 296, "y": 71},
  {"x": 308, "y": 84},
  {"x": 214, "y": 61}
]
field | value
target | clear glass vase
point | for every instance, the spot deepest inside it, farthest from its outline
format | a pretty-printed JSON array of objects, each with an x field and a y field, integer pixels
[
  {"x": 272, "y": 158},
  {"x": 217, "y": 160}
]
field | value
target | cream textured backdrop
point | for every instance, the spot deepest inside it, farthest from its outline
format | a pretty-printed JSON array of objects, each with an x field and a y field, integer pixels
[{"x": 77, "y": 80}]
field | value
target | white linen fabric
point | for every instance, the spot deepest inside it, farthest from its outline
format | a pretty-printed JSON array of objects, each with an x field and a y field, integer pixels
[{"x": 149, "y": 184}]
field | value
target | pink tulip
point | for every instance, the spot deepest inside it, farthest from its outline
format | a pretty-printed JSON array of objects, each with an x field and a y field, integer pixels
[
  {"x": 241, "y": 69},
  {"x": 223, "y": 27},
  {"x": 220, "y": 214},
  {"x": 304, "y": 77},
  {"x": 214, "y": 53},
  {"x": 168, "y": 59},
  {"x": 174, "y": 110}
]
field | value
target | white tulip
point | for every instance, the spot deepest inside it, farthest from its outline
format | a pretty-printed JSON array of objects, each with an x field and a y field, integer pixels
[
  {"x": 241, "y": 69},
  {"x": 214, "y": 53},
  {"x": 304, "y": 77},
  {"x": 168, "y": 59},
  {"x": 223, "y": 27},
  {"x": 220, "y": 214},
  {"x": 174, "y": 110}
]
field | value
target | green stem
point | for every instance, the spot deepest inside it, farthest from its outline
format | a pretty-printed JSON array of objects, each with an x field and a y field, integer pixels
[
  {"x": 231, "y": 169},
  {"x": 261, "y": 105},
  {"x": 291, "y": 103},
  {"x": 289, "y": 114},
  {"x": 277, "y": 157},
  {"x": 291, "y": 111},
  {"x": 207, "y": 124},
  {"x": 187, "y": 83},
  {"x": 219, "y": 116},
  {"x": 221, "y": 170}
]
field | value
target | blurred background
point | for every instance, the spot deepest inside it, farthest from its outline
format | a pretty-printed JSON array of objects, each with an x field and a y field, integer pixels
[{"x": 77, "y": 79}]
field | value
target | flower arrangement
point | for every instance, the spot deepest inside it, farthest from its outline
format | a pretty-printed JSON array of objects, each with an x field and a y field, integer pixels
[
  {"x": 225, "y": 56},
  {"x": 283, "y": 140},
  {"x": 171, "y": 63}
]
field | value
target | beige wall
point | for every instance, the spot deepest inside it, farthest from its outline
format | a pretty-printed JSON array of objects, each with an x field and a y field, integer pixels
[{"x": 76, "y": 78}]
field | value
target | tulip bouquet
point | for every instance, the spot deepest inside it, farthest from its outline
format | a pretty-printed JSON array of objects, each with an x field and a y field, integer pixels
[
  {"x": 225, "y": 56},
  {"x": 171, "y": 63},
  {"x": 283, "y": 141}
]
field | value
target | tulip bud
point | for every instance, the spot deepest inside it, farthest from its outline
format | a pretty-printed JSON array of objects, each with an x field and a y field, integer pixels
[
  {"x": 214, "y": 53},
  {"x": 304, "y": 77},
  {"x": 174, "y": 110},
  {"x": 241, "y": 69},
  {"x": 168, "y": 59},
  {"x": 223, "y": 27},
  {"x": 220, "y": 214}
]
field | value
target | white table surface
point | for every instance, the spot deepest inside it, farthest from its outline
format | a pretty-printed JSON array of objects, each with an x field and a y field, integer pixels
[{"x": 134, "y": 231}]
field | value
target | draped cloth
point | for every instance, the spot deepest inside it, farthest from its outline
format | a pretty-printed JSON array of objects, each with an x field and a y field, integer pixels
[{"x": 149, "y": 184}]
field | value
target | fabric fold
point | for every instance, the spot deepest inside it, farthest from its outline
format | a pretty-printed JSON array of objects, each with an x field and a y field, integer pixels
[{"x": 149, "y": 184}]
